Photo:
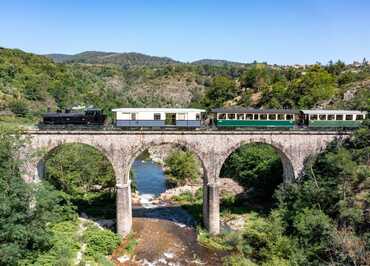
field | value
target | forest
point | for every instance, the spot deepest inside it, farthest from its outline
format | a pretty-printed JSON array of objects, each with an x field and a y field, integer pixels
[{"x": 321, "y": 219}]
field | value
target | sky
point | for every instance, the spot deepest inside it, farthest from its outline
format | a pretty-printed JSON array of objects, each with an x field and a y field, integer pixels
[{"x": 273, "y": 31}]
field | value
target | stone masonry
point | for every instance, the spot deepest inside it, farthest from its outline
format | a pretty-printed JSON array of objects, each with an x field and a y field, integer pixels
[{"x": 211, "y": 147}]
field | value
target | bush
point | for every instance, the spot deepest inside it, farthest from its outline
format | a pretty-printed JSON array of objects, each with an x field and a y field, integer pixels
[
  {"x": 314, "y": 231},
  {"x": 100, "y": 242},
  {"x": 65, "y": 245},
  {"x": 238, "y": 260},
  {"x": 19, "y": 107},
  {"x": 183, "y": 167}
]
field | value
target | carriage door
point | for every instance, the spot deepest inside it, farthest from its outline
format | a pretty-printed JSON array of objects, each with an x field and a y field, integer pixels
[{"x": 170, "y": 119}]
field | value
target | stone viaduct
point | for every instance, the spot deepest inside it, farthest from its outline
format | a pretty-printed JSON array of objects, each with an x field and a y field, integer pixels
[{"x": 212, "y": 148}]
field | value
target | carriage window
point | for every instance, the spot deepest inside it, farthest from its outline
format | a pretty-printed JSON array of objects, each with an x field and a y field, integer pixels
[
  {"x": 181, "y": 116},
  {"x": 359, "y": 117},
  {"x": 221, "y": 116},
  {"x": 280, "y": 117},
  {"x": 197, "y": 117},
  {"x": 339, "y": 117},
  {"x": 249, "y": 116},
  {"x": 349, "y": 117},
  {"x": 322, "y": 117},
  {"x": 157, "y": 116},
  {"x": 263, "y": 116},
  {"x": 255, "y": 116},
  {"x": 289, "y": 117},
  {"x": 240, "y": 116},
  {"x": 133, "y": 116},
  {"x": 272, "y": 117},
  {"x": 313, "y": 117},
  {"x": 331, "y": 117},
  {"x": 231, "y": 116}
]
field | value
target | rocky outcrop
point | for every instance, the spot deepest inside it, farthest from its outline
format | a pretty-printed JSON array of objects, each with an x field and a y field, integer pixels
[
  {"x": 169, "y": 193},
  {"x": 228, "y": 186},
  {"x": 159, "y": 153}
]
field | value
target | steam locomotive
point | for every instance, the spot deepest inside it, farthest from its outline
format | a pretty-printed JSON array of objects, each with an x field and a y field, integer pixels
[{"x": 91, "y": 116}]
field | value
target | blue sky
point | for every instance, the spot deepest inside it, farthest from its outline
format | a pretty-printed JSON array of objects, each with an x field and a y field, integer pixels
[{"x": 280, "y": 31}]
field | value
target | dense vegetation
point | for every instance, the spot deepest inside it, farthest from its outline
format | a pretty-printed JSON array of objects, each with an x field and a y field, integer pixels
[
  {"x": 182, "y": 168},
  {"x": 322, "y": 219},
  {"x": 38, "y": 223},
  {"x": 257, "y": 167},
  {"x": 30, "y": 83}
]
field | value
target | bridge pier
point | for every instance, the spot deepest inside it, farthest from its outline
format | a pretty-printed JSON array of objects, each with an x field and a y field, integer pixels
[
  {"x": 212, "y": 209},
  {"x": 124, "y": 211}
]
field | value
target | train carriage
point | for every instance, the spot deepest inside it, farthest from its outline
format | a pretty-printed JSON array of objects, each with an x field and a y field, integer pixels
[
  {"x": 333, "y": 118},
  {"x": 158, "y": 117},
  {"x": 245, "y": 117}
]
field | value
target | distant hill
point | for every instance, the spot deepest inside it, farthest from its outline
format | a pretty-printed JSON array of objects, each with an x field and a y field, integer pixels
[
  {"x": 130, "y": 59},
  {"x": 58, "y": 58},
  {"x": 95, "y": 57},
  {"x": 216, "y": 62}
]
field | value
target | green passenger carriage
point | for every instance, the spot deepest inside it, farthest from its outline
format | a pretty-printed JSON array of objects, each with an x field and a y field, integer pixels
[
  {"x": 245, "y": 117},
  {"x": 332, "y": 118}
]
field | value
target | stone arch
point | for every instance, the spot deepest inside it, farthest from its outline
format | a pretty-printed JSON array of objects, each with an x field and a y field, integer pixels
[
  {"x": 210, "y": 189},
  {"x": 45, "y": 151},
  {"x": 288, "y": 168},
  {"x": 137, "y": 150}
]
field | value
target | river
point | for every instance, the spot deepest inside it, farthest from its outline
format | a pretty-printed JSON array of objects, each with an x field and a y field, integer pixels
[{"x": 165, "y": 232}]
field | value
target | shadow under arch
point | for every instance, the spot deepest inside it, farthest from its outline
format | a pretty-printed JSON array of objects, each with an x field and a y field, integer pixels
[{"x": 288, "y": 170}]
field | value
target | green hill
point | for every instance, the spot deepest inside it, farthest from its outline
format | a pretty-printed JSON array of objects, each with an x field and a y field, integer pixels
[{"x": 124, "y": 59}]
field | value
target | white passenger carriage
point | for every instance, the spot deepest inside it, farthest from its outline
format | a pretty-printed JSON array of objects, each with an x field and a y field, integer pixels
[{"x": 158, "y": 117}]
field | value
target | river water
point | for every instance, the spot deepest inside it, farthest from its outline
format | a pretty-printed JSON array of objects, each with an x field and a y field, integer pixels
[
  {"x": 150, "y": 180},
  {"x": 165, "y": 232}
]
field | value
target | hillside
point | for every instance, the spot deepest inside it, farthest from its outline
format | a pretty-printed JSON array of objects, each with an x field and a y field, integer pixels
[
  {"x": 131, "y": 59},
  {"x": 30, "y": 83},
  {"x": 124, "y": 59}
]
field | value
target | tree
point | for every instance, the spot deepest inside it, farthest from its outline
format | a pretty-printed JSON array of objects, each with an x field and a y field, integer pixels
[
  {"x": 315, "y": 85},
  {"x": 256, "y": 77},
  {"x": 78, "y": 168},
  {"x": 221, "y": 90},
  {"x": 183, "y": 167},
  {"x": 255, "y": 165},
  {"x": 24, "y": 228}
]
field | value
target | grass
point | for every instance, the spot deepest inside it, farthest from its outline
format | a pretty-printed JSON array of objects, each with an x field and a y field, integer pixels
[{"x": 17, "y": 122}]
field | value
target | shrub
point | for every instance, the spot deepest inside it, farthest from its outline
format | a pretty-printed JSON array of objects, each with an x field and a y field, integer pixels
[
  {"x": 314, "y": 231},
  {"x": 65, "y": 245},
  {"x": 237, "y": 260},
  {"x": 19, "y": 107},
  {"x": 183, "y": 167},
  {"x": 100, "y": 242}
]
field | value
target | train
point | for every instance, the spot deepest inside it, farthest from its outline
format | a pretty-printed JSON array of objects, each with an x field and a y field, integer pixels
[{"x": 218, "y": 118}]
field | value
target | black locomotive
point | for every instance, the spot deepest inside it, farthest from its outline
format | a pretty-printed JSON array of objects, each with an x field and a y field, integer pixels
[{"x": 91, "y": 116}]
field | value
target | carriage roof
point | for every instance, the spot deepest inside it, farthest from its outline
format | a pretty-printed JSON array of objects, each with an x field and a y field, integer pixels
[
  {"x": 332, "y": 112},
  {"x": 158, "y": 110},
  {"x": 254, "y": 111}
]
